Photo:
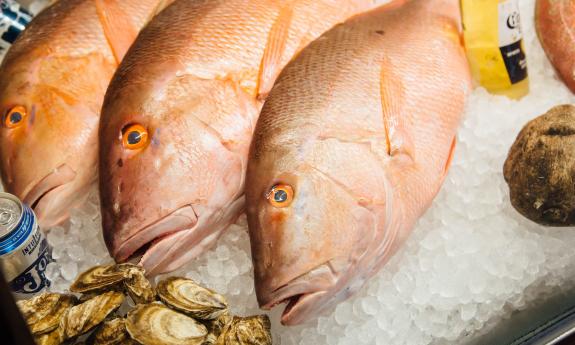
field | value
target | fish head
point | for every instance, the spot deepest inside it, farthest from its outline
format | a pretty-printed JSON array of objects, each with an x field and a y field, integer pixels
[
  {"x": 170, "y": 179},
  {"x": 49, "y": 107},
  {"x": 314, "y": 240}
]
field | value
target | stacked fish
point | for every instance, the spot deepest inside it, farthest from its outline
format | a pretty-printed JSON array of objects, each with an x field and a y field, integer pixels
[{"x": 333, "y": 138}]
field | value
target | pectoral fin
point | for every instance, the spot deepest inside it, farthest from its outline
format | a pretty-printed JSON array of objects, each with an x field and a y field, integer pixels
[
  {"x": 118, "y": 28},
  {"x": 450, "y": 157},
  {"x": 396, "y": 122},
  {"x": 274, "y": 51}
]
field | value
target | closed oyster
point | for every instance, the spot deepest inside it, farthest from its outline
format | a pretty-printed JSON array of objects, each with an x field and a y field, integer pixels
[
  {"x": 252, "y": 330},
  {"x": 112, "y": 332},
  {"x": 98, "y": 278},
  {"x": 83, "y": 317},
  {"x": 211, "y": 339},
  {"x": 186, "y": 296},
  {"x": 138, "y": 287},
  {"x": 43, "y": 312},
  {"x": 216, "y": 327},
  {"x": 56, "y": 337},
  {"x": 156, "y": 324}
]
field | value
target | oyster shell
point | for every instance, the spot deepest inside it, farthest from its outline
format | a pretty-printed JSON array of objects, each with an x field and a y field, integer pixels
[
  {"x": 138, "y": 287},
  {"x": 211, "y": 339},
  {"x": 251, "y": 330},
  {"x": 98, "y": 278},
  {"x": 156, "y": 324},
  {"x": 216, "y": 327},
  {"x": 56, "y": 337},
  {"x": 186, "y": 296},
  {"x": 112, "y": 332},
  {"x": 43, "y": 312},
  {"x": 83, "y": 317}
]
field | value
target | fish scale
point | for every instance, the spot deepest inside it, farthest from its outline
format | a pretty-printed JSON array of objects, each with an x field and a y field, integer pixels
[
  {"x": 51, "y": 30},
  {"x": 58, "y": 71},
  {"x": 361, "y": 127},
  {"x": 195, "y": 79},
  {"x": 554, "y": 21}
]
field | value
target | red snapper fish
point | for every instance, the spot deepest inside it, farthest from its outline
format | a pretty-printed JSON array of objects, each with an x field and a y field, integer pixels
[
  {"x": 179, "y": 115},
  {"x": 350, "y": 149},
  {"x": 52, "y": 85},
  {"x": 555, "y": 25}
]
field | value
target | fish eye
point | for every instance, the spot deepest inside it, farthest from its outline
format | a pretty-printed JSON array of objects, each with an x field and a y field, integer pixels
[
  {"x": 15, "y": 116},
  {"x": 134, "y": 137},
  {"x": 280, "y": 195}
]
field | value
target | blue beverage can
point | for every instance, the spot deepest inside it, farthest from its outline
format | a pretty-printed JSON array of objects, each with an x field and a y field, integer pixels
[
  {"x": 24, "y": 250},
  {"x": 13, "y": 20}
]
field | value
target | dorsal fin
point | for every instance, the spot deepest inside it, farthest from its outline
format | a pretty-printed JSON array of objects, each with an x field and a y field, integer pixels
[
  {"x": 118, "y": 28},
  {"x": 398, "y": 138},
  {"x": 274, "y": 51}
]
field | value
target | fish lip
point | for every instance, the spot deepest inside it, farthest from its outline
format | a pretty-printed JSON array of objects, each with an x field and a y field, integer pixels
[
  {"x": 153, "y": 232},
  {"x": 299, "y": 293},
  {"x": 296, "y": 302},
  {"x": 293, "y": 313},
  {"x": 44, "y": 190}
]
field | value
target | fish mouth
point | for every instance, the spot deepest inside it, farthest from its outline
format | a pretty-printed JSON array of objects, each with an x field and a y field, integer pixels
[
  {"x": 296, "y": 306},
  {"x": 44, "y": 194},
  {"x": 303, "y": 295},
  {"x": 160, "y": 230}
]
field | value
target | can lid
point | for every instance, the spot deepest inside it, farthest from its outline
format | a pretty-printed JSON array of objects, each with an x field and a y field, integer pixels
[{"x": 10, "y": 213}]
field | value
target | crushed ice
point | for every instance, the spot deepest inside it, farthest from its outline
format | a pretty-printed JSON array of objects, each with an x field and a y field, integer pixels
[{"x": 471, "y": 260}]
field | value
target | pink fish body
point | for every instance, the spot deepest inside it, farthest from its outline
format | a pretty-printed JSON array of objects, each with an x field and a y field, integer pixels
[
  {"x": 555, "y": 24},
  {"x": 52, "y": 86},
  {"x": 350, "y": 149},
  {"x": 179, "y": 116}
]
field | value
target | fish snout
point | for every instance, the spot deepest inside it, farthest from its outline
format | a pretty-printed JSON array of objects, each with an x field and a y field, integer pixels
[
  {"x": 125, "y": 242},
  {"x": 174, "y": 250},
  {"x": 49, "y": 197},
  {"x": 306, "y": 295}
]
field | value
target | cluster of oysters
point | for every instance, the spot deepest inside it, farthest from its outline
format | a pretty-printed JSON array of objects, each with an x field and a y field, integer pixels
[{"x": 178, "y": 311}]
